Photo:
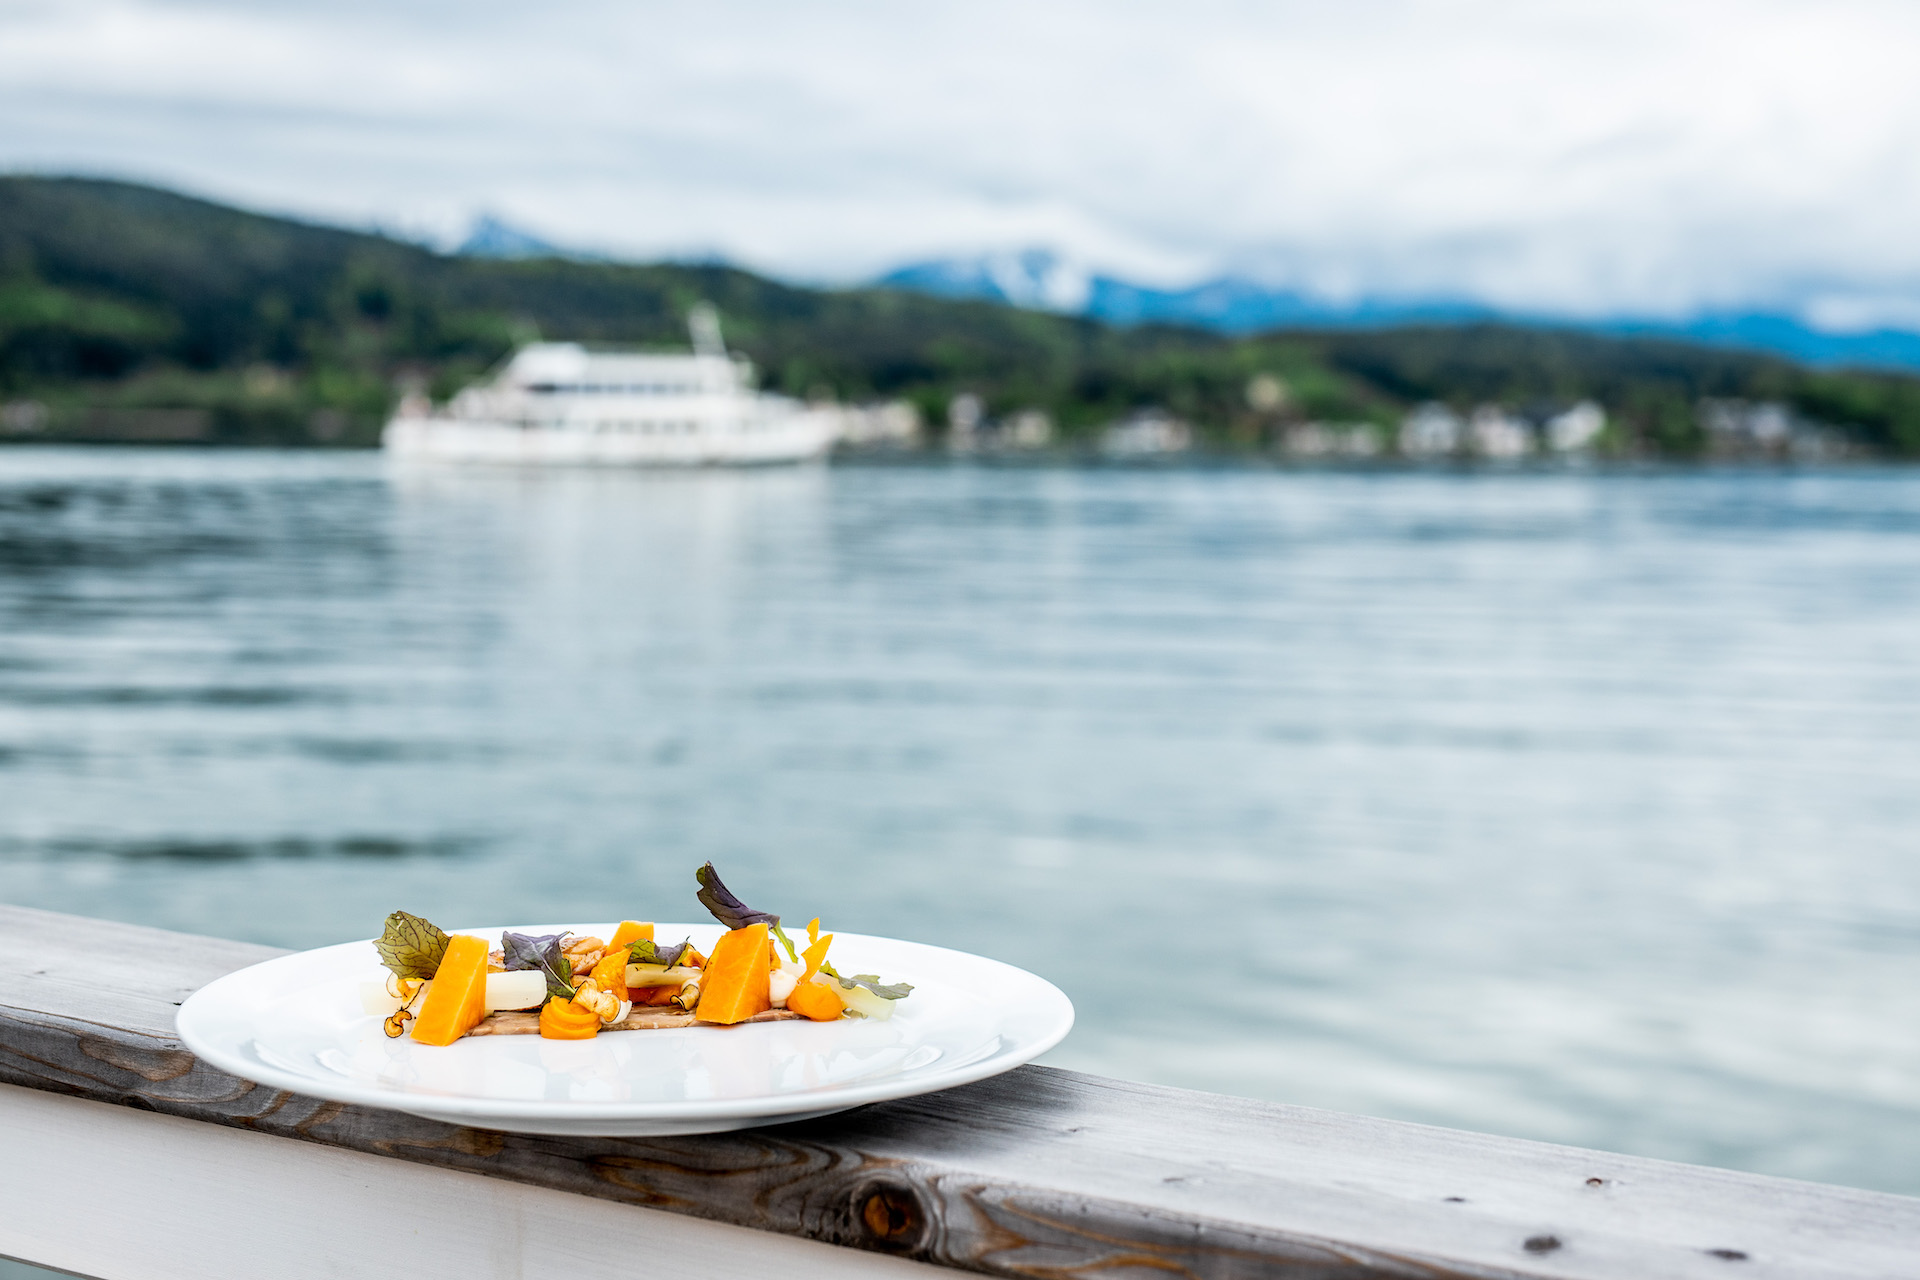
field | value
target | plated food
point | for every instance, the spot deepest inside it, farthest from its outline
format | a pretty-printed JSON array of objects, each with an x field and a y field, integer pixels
[
  {"x": 301, "y": 1022},
  {"x": 445, "y": 987}
]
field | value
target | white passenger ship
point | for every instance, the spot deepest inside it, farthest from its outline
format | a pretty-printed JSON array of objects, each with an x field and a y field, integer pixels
[{"x": 557, "y": 402}]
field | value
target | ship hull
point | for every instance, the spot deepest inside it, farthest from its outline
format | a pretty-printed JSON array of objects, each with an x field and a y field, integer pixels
[{"x": 799, "y": 437}]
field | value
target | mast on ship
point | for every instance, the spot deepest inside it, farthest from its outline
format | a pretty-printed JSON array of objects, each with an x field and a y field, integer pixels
[{"x": 703, "y": 322}]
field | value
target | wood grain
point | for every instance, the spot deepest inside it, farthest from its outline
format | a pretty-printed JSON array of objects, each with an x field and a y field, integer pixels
[
  {"x": 173, "y": 1199},
  {"x": 1037, "y": 1173}
]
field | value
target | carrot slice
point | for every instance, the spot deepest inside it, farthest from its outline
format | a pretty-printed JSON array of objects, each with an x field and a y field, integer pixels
[
  {"x": 734, "y": 985},
  {"x": 631, "y": 931},
  {"x": 814, "y": 954},
  {"x": 816, "y": 1000},
  {"x": 610, "y": 974},
  {"x": 458, "y": 998},
  {"x": 565, "y": 1020}
]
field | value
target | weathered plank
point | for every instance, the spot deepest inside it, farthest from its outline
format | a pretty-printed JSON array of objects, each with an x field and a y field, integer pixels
[
  {"x": 1036, "y": 1173},
  {"x": 172, "y": 1199}
]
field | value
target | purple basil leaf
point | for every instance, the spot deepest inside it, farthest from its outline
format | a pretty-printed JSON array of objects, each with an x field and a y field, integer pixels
[
  {"x": 644, "y": 952},
  {"x": 726, "y": 908},
  {"x": 525, "y": 951}
]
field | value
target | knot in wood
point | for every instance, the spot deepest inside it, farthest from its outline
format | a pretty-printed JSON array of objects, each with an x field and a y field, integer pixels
[
  {"x": 893, "y": 1216},
  {"x": 1541, "y": 1244}
]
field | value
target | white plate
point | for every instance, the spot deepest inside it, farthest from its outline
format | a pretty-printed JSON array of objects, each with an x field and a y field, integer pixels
[{"x": 296, "y": 1023}]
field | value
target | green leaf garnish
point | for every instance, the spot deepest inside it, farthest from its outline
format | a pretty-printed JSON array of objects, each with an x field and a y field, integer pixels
[
  {"x": 644, "y": 952},
  {"x": 525, "y": 951},
  {"x": 871, "y": 981},
  {"x": 411, "y": 947},
  {"x": 785, "y": 941},
  {"x": 726, "y": 908}
]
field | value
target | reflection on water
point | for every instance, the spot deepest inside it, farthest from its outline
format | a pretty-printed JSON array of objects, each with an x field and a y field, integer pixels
[{"x": 1576, "y": 807}]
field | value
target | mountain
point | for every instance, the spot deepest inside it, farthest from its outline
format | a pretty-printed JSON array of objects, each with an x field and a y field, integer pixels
[
  {"x": 1761, "y": 331},
  {"x": 1042, "y": 279},
  {"x": 133, "y": 313},
  {"x": 127, "y": 311},
  {"x": 489, "y": 237},
  {"x": 1034, "y": 278}
]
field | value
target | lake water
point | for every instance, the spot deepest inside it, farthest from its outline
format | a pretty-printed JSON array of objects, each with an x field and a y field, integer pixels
[{"x": 1582, "y": 807}]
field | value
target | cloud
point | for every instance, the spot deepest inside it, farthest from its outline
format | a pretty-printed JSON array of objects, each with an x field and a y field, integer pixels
[{"x": 1580, "y": 157}]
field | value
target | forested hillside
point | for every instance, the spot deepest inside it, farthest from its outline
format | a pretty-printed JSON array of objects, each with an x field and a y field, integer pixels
[{"x": 133, "y": 313}]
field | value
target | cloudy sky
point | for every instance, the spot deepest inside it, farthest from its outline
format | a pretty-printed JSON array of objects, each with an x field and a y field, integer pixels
[{"x": 1625, "y": 156}]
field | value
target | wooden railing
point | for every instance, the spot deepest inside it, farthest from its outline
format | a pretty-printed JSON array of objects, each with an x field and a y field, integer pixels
[{"x": 123, "y": 1157}]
